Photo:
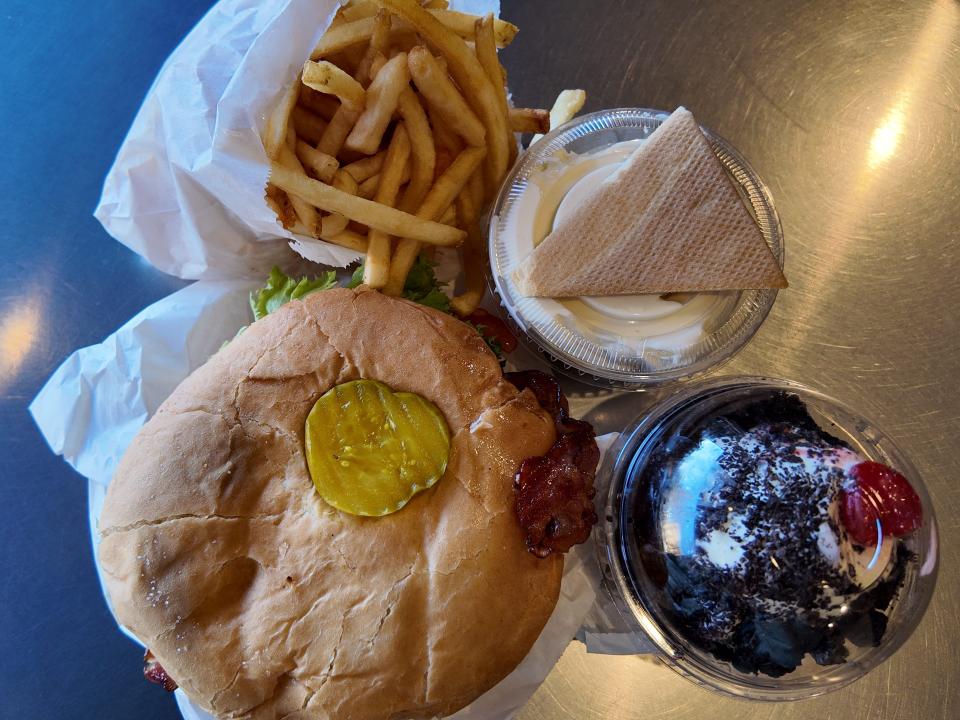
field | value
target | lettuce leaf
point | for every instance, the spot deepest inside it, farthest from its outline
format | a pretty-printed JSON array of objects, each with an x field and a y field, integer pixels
[
  {"x": 281, "y": 289},
  {"x": 421, "y": 287}
]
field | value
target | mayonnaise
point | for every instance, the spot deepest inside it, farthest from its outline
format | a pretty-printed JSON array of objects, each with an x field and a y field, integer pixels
[{"x": 657, "y": 328}]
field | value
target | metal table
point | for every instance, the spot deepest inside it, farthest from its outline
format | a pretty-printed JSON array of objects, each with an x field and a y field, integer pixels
[{"x": 850, "y": 111}]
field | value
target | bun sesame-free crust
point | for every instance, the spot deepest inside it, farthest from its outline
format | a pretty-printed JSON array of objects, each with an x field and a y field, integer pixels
[{"x": 262, "y": 601}]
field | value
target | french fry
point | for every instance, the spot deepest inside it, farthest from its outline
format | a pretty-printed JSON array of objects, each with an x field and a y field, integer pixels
[
  {"x": 322, "y": 166},
  {"x": 422, "y": 152},
  {"x": 443, "y": 97},
  {"x": 445, "y": 159},
  {"x": 476, "y": 190},
  {"x": 376, "y": 66},
  {"x": 379, "y": 46},
  {"x": 444, "y": 136},
  {"x": 298, "y": 228},
  {"x": 347, "y": 239},
  {"x": 316, "y": 102},
  {"x": 333, "y": 224},
  {"x": 449, "y": 216},
  {"x": 337, "y": 130},
  {"x": 486, "y": 49},
  {"x": 360, "y": 22},
  {"x": 349, "y": 59},
  {"x": 463, "y": 25},
  {"x": 336, "y": 223},
  {"x": 380, "y": 37},
  {"x": 381, "y": 101},
  {"x": 403, "y": 41},
  {"x": 436, "y": 4},
  {"x": 306, "y": 213},
  {"x": 467, "y": 212},
  {"x": 358, "y": 9},
  {"x": 280, "y": 202},
  {"x": 344, "y": 181},
  {"x": 567, "y": 104},
  {"x": 327, "y": 78},
  {"x": 367, "y": 167},
  {"x": 369, "y": 213},
  {"x": 363, "y": 73},
  {"x": 471, "y": 253},
  {"x": 309, "y": 126},
  {"x": 376, "y": 268},
  {"x": 345, "y": 36},
  {"x": 276, "y": 131},
  {"x": 477, "y": 89},
  {"x": 451, "y": 182},
  {"x": 529, "y": 120},
  {"x": 441, "y": 195},
  {"x": 338, "y": 19},
  {"x": 292, "y": 138},
  {"x": 368, "y": 188}
]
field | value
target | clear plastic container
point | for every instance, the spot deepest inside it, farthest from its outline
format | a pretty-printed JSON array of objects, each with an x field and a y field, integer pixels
[
  {"x": 632, "y": 341},
  {"x": 720, "y": 615}
]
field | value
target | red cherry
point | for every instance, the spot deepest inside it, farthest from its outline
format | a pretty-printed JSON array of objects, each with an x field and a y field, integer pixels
[{"x": 879, "y": 492}]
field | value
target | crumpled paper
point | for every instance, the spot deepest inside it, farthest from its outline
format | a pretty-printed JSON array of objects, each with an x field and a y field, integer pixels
[
  {"x": 186, "y": 190},
  {"x": 93, "y": 405}
]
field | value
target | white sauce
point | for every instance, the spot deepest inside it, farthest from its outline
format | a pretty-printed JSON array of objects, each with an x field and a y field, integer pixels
[{"x": 635, "y": 325}]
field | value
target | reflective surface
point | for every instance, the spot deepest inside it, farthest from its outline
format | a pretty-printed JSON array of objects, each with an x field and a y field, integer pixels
[
  {"x": 849, "y": 111},
  {"x": 75, "y": 74}
]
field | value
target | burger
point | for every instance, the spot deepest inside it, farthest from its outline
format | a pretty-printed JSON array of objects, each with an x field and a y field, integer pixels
[{"x": 347, "y": 512}]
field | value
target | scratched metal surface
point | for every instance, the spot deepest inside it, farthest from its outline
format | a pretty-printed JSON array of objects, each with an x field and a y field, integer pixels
[{"x": 850, "y": 111}]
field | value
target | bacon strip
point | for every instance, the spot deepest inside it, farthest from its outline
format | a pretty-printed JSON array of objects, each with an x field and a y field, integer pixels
[
  {"x": 154, "y": 672},
  {"x": 554, "y": 492}
]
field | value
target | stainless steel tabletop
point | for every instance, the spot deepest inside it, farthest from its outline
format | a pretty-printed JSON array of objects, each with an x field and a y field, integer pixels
[
  {"x": 847, "y": 109},
  {"x": 850, "y": 112}
]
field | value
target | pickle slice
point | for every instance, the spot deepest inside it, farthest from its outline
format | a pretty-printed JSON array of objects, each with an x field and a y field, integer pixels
[{"x": 369, "y": 449}]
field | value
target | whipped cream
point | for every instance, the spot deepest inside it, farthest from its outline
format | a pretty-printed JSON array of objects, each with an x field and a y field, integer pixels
[{"x": 741, "y": 503}]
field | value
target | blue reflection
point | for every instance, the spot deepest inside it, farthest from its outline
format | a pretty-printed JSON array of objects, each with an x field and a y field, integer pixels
[{"x": 695, "y": 475}]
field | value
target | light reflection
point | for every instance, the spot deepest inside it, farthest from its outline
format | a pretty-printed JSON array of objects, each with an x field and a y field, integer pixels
[
  {"x": 876, "y": 553},
  {"x": 18, "y": 332},
  {"x": 932, "y": 47},
  {"x": 886, "y": 137}
]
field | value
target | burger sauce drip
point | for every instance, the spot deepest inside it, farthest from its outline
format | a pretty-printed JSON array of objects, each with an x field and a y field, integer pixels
[
  {"x": 554, "y": 492},
  {"x": 154, "y": 672}
]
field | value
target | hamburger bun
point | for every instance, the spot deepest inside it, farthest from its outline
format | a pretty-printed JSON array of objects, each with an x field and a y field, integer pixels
[{"x": 261, "y": 600}]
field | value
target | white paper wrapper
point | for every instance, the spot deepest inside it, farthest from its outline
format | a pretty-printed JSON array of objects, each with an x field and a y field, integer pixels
[
  {"x": 186, "y": 190},
  {"x": 94, "y": 404}
]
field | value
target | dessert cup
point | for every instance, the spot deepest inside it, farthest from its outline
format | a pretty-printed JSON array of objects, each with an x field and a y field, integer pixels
[
  {"x": 635, "y": 551},
  {"x": 620, "y": 344}
]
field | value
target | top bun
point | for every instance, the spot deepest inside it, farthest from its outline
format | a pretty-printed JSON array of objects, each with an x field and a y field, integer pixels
[{"x": 261, "y": 600}]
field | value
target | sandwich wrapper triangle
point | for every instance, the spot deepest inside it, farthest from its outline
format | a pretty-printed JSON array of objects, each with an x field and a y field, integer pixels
[
  {"x": 96, "y": 401},
  {"x": 669, "y": 220}
]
